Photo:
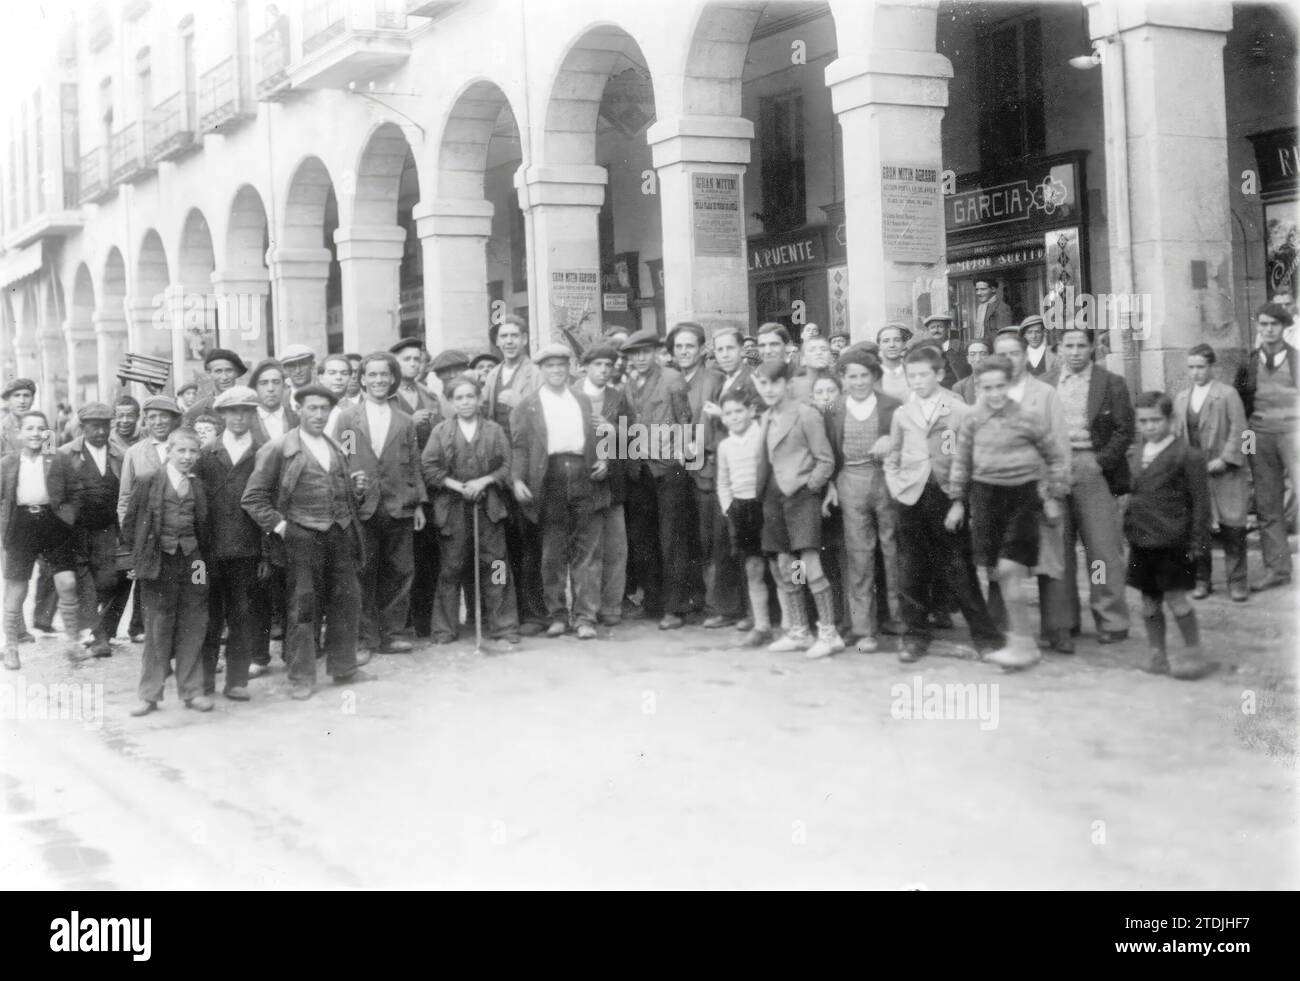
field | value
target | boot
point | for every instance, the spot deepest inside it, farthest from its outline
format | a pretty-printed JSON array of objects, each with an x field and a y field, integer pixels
[
  {"x": 1190, "y": 663},
  {"x": 70, "y": 611},
  {"x": 793, "y": 612},
  {"x": 1158, "y": 662},
  {"x": 1234, "y": 561},
  {"x": 758, "y": 607},
  {"x": 828, "y": 638}
]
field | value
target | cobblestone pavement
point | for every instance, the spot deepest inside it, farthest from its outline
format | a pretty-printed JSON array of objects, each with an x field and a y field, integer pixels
[{"x": 646, "y": 759}]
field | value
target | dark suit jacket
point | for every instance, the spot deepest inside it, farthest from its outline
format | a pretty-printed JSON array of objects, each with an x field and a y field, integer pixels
[
  {"x": 9, "y": 489},
  {"x": 70, "y": 473},
  {"x": 276, "y": 471},
  {"x": 663, "y": 399},
  {"x": 615, "y": 406},
  {"x": 885, "y": 406},
  {"x": 1248, "y": 375},
  {"x": 428, "y": 401},
  {"x": 956, "y": 367},
  {"x": 394, "y": 470},
  {"x": 705, "y": 386},
  {"x": 447, "y": 455},
  {"x": 997, "y": 316},
  {"x": 142, "y": 525},
  {"x": 528, "y": 458},
  {"x": 290, "y": 422},
  {"x": 1170, "y": 503},
  {"x": 1110, "y": 423},
  {"x": 234, "y": 534}
]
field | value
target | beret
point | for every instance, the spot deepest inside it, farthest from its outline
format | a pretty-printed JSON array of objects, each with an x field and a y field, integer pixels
[
  {"x": 95, "y": 412},
  {"x": 308, "y": 390},
  {"x": 642, "y": 338},
  {"x": 163, "y": 403},
  {"x": 297, "y": 352},
  {"x": 404, "y": 343},
  {"x": 551, "y": 351},
  {"x": 449, "y": 360},
  {"x": 263, "y": 366},
  {"x": 19, "y": 385},
  {"x": 237, "y": 397},
  {"x": 222, "y": 354},
  {"x": 600, "y": 352}
]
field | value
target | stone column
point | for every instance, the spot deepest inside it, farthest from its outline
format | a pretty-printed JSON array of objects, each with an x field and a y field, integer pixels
[
  {"x": 890, "y": 104},
  {"x": 701, "y": 160},
  {"x": 298, "y": 278},
  {"x": 110, "y": 348},
  {"x": 370, "y": 258},
  {"x": 561, "y": 208},
  {"x": 241, "y": 314},
  {"x": 79, "y": 336},
  {"x": 453, "y": 236},
  {"x": 1166, "y": 182}
]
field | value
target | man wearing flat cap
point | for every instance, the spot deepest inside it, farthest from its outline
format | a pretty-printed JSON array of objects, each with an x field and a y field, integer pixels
[
  {"x": 937, "y": 328},
  {"x": 161, "y": 416},
  {"x": 84, "y": 481},
  {"x": 1040, "y": 360},
  {"x": 660, "y": 491},
  {"x": 561, "y": 485},
  {"x": 446, "y": 366},
  {"x": 234, "y": 559},
  {"x": 18, "y": 395},
  {"x": 299, "y": 363},
  {"x": 224, "y": 368},
  {"x": 301, "y": 494}
]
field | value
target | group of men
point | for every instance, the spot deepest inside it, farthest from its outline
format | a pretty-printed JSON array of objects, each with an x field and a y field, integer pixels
[{"x": 295, "y": 500}]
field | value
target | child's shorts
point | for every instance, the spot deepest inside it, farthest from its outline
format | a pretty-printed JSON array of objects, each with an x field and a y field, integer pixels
[
  {"x": 1004, "y": 523},
  {"x": 745, "y": 522},
  {"x": 1156, "y": 571},
  {"x": 791, "y": 524}
]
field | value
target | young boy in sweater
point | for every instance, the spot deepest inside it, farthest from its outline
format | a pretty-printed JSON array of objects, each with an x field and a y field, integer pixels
[
  {"x": 737, "y": 484},
  {"x": 1166, "y": 521},
  {"x": 1013, "y": 469}
]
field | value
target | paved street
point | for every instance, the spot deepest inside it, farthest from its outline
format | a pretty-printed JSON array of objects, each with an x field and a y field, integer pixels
[{"x": 648, "y": 760}]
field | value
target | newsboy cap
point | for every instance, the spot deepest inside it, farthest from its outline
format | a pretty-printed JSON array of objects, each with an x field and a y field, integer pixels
[
  {"x": 600, "y": 352},
  {"x": 642, "y": 338},
  {"x": 404, "y": 343},
  {"x": 236, "y": 397},
  {"x": 95, "y": 412},
  {"x": 449, "y": 360},
  {"x": 163, "y": 403},
  {"x": 302, "y": 394},
  {"x": 551, "y": 351},
  {"x": 297, "y": 352}
]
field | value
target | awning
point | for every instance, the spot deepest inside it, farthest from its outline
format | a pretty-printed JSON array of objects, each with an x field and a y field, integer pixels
[{"x": 21, "y": 264}]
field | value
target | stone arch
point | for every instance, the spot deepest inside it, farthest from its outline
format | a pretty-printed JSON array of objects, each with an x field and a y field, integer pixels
[
  {"x": 715, "y": 59},
  {"x": 304, "y": 208},
  {"x": 479, "y": 112},
  {"x": 384, "y": 155},
  {"x": 149, "y": 334},
  {"x": 246, "y": 235},
  {"x": 196, "y": 260}
]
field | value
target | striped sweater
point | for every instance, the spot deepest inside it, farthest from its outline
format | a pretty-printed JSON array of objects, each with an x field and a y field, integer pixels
[{"x": 1007, "y": 447}]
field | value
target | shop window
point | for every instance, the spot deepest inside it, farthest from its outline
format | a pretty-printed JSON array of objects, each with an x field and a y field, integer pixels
[
  {"x": 781, "y": 150},
  {"x": 70, "y": 134},
  {"x": 1010, "y": 85},
  {"x": 776, "y": 300}
]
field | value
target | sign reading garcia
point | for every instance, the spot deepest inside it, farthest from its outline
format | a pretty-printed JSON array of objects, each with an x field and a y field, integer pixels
[{"x": 1044, "y": 197}]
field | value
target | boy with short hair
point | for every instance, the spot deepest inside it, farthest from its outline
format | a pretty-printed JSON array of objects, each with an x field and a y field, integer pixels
[
  {"x": 1000, "y": 453},
  {"x": 1167, "y": 518},
  {"x": 737, "y": 483},
  {"x": 922, "y": 434}
]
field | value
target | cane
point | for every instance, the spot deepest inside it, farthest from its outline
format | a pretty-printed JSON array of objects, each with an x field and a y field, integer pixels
[{"x": 478, "y": 592}]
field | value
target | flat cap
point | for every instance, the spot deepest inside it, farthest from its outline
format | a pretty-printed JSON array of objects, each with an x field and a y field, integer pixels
[
  {"x": 307, "y": 391},
  {"x": 937, "y": 318},
  {"x": 224, "y": 354},
  {"x": 297, "y": 352},
  {"x": 449, "y": 360},
  {"x": 1033, "y": 320},
  {"x": 95, "y": 412},
  {"x": 404, "y": 343},
  {"x": 19, "y": 385},
  {"x": 601, "y": 352},
  {"x": 494, "y": 356},
  {"x": 163, "y": 403},
  {"x": 186, "y": 387},
  {"x": 551, "y": 351},
  {"x": 237, "y": 397},
  {"x": 642, "y": 338}
]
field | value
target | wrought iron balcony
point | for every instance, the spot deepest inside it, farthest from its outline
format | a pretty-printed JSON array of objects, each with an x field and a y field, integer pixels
[
  {"x": 345, "y": 42},
  {"x": 171, "y": 135},
  {"x": 431, "y": 8},
  {"x": 93, "y": 177},
  {"x": 273, "y": 62},
  {"x": 127, "y": 160},
  {"x": 221, "y": 103}
]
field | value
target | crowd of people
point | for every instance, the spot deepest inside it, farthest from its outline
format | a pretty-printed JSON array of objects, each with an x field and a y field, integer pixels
[{"x": 807, "y": 493}]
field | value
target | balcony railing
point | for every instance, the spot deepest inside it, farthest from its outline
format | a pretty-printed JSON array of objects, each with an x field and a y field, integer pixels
[
  {"x": 127, "y": 159},
  {"x": 321, "y": 21},
  {"x": 93, "y": 176},
  {"x": 349, "y": 42},
  {"x": 220, "y": 101},
  {"x": 273, "y": 62},
  {"x": 170, "y": 133}
]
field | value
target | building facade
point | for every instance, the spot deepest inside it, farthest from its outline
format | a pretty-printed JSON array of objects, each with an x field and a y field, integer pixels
[{"x": 341, "y": 173}]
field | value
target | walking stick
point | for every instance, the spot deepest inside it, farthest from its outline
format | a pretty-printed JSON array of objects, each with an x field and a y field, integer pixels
[{"x": 478, "y": 591}]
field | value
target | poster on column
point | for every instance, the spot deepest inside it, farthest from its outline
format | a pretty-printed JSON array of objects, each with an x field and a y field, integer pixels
[
  {"x": 575, "y": 306},
  {"x": 717, "y": 225},
  {"x": 911, "y": 212}
]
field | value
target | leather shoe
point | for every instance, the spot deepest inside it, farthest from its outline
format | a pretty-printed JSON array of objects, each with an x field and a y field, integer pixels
[
  {"x": 137, "y": 638},
  {"x": 1111, "y": 636},
  {"x": 11, "y": 659},
  {"x": 363, "y": 657},
  {"x": 237, "y": 694},
  {"x": 257, "y": 670},
  {"x": 1238, "y": 593},
  {"x": 557, "y": 629},
  {"x": 354, "y": 677},
  {"x": 745, "y": 625},
  {"x": 895, "y": 628},
  {"x": 26, "y": 637},
  {"x": 144, "y": 708},
  {"x": 200, "y": 703},
  {"x": 101, "y": 648},
  {"x": 717, "y": 622},
  {"x": 77, "y": 653},
  {"x": 396, "y": 647},
  {"x": 586, "y": 631},
  {"x": 530, "y": 628},
  {"x": 300, "y": 692},
  {"x": 1202, "y": 590},
  {"x": 670, "y": 621},
  {"x": 1270, "y": 581},
  {"x": 940, "y": 621}
]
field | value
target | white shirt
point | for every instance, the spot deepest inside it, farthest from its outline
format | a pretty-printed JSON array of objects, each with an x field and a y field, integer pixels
[
  {"x": 928, "y": 406},
  {"x": 272, "y": 422},
  {"x": 507, "y": 373},
  {"x": 379, "y": 417},
  {"x": 564, "y": 432},
  {"x": 1152, "y": 450},
  {"x": 1279, "y": 359},
  {"x": 236, "y": 446},
  {"x": 1199, "y": 395},
  {"x": 861, "y": 411},
  {"x": 100, "y": 455},
  {"x": 332, "y": 423},
  {"x": 591, "y": 391},
  {"x": 161, "y": 450},
  {"x": 180, "y": 483},
  {"x": 467, "y": 429},
  {"x": 319, "y": 448},
  {"x": 1035, "y": 354},
  {"x": 31, "y": 481},
  {"x": 1017, "y": 391}
]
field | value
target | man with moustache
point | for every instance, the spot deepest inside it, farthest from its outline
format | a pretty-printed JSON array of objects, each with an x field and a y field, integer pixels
[{"x": 938, "y": 327}]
